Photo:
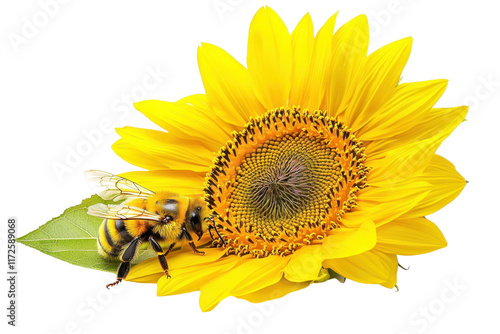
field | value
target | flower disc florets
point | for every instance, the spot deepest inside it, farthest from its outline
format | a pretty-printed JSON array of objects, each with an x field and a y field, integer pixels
[{"x": 285, "y": 180}]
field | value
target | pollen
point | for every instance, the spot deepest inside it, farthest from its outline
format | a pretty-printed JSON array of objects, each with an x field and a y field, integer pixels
[{"x": 284, "y": 181}]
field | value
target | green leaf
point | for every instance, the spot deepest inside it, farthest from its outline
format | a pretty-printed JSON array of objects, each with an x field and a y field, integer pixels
[{"x": 72, "y": 237}]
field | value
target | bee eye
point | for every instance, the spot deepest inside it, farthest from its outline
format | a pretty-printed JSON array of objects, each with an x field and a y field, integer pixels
[{"x": 195, "y": 221}]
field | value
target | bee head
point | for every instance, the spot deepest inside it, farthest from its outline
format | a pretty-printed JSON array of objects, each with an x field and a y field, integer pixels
[
  {"x": 168, "y": 209},
  {"x": 195, "y": 215}
]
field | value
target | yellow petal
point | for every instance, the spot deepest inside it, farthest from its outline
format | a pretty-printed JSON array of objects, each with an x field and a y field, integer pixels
[
  {"x": 384, "y": 204},
  {"x": 372, "y": 267},
  {"x": 278, "y": 290},
  {"x": 227, "y": 85},
  {"x": 382, "y": 72},
  {"x": 437, "y": 125},
  {"x": 176, "y": 259},
  {"x": 248, "y": 276},
  {"x": 348, "y": 242},
  {"x": 269, "y": 58},
  {"x": 304, "y": 264},
  {"x": 410, "y": 104},
  {"x": 325, "y": 275},
  {"x": 185, "y": 182},
  {"x": 320, "y": 64},
  {"x": 171, "y": 152},
  {"x": 349, "y": 48},
  {"x": 446, "y": 185},
  {"x": 136, "y": 156},
  {"x": 438, "y": 120},
  {"x": 192, "y": 278},
  {"x": 411, "y": 159},
  {"x": 187, "y": 119},
  {"x": 409, "y": 237},
  {"x": 302, "y": 48}
]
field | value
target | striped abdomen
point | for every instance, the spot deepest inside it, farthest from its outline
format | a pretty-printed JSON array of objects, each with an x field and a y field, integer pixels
[{"x": 111, "y": 237}]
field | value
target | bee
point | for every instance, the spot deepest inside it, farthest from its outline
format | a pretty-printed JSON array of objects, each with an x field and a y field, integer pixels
[{"x": 160, "y": 218}]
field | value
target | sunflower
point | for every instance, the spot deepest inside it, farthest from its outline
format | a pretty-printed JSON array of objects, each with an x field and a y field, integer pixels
[{"x": 315, "y": 161}]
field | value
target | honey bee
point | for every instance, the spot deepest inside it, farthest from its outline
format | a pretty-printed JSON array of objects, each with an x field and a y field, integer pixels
[{"x": 160, "y": 218}]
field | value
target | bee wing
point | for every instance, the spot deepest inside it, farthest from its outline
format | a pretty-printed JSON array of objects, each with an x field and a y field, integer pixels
[
  {"x": 114, "y": 187},
  {"x": 121, "y": 212}
]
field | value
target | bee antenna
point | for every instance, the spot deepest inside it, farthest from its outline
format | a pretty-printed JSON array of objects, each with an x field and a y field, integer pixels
[
  {"x": 220, "y": 237},
  {"x": 212, "y": 226}
]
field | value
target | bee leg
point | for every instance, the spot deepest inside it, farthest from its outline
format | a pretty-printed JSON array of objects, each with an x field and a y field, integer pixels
[
  {"x": 189, "y": 238},
  {"x": 162, "y": 256},
  {"x": 196, "y": 251},
  {"x": 123, "y": 270},
  {"x": 127, "y": 256}
]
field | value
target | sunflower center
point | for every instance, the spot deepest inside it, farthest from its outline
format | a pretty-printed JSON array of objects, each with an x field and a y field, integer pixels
[
  {"x": 278, "y": 185},
  {"x": 284, "y": 181},
  {"x": 280, "y": 189}
]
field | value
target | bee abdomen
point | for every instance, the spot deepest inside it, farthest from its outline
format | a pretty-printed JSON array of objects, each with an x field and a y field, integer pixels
[{"x": 111, "y": 238}]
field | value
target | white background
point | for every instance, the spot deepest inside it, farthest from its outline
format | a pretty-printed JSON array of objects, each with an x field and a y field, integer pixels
[{"x": 76, "y": 70}]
